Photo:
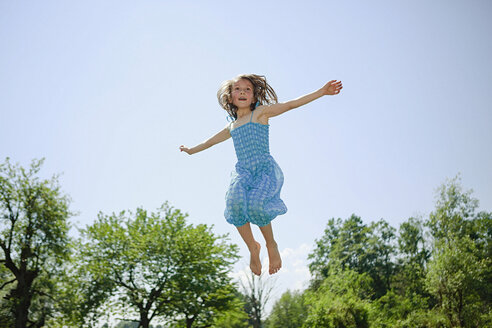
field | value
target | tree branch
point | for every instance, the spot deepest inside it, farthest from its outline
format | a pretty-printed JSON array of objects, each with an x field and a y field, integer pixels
[
  {"x": 8, "y": 260},
  {"x": 119, "y": 279},
  {"x": 12, "y": 216},
  {"x": 8, "y": 282}
]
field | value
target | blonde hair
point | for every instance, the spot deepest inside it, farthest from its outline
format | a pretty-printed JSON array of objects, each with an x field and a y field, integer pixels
[{"x": 263, "y": 93}]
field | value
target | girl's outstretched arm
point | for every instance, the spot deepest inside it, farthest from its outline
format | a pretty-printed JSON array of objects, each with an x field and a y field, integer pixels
[
  {"x": 219, "y": 137},
  {"x": 331, "y": 88}
]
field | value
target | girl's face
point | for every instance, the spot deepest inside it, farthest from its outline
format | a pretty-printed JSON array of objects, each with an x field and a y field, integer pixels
[{"x": 242, "y": 93}]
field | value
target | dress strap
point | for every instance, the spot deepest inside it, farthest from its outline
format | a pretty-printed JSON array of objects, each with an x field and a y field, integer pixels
[{"x": 251, "y": 118}]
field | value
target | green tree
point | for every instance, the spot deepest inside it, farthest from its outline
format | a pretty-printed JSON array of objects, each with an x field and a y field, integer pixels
[
  {"x": 354, "y": 245},
  {"x": 127, "y": 324},
  {"x": 155, "y": 265},
  {"x": 455, "y": 278},
  {"x": 412, "y": 245},
  {"x": 343, "y": 243},
  {"x": 340, "y": 301},
  {"x": 379, "y": 256},
  {"x": 34, "y": 243},
  {"x": 454, "y": 214},
  {"x": 404, "y": 303},
  {"x": 235, "y": 317},
  {"x": 289, "y": 311},
  {"x": 482, "y": 238},
  {"x": 459, "y": 272},
  {"x": 414, "y": 253},
  {"x": 394, "y": 310}
]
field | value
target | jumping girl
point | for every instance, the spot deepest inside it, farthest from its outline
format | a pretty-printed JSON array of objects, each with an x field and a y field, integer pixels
[{"x": 254, "y": 192}]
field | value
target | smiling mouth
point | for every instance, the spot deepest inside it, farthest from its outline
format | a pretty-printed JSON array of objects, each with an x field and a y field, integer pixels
[{"x": 242, "y": 99}]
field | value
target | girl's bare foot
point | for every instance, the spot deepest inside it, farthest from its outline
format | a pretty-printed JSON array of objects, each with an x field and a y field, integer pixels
[
  {"x": 255, "y": 263},
  {"x": 274, "y": 258}
]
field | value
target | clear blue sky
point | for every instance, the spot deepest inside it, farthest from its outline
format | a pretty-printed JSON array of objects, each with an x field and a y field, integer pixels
[{"x": 108, "y": 90}]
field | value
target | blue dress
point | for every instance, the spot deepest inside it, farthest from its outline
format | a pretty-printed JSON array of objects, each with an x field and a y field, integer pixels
[{"x": 254, "y": 192}]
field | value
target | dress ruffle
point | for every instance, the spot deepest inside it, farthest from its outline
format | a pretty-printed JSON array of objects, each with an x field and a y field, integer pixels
[{"x": 254, "y": 192}]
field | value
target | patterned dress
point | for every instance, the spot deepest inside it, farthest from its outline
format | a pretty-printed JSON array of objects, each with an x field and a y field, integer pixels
[{"x": 254, "y": 192}]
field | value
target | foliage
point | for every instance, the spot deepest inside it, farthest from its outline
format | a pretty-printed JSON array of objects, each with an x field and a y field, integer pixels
[
  {"x": 133, "y": 324},
  {"x": 414, "y": 253},
  {"x": 34, "y": 243},
  {"x": 354, "y": 245},
  {"x": 460, "y": 265},
  {"x": 342, "y": 241},
  {"x": 235, "y": 317},
  {"x": 155, "y": 265},
  {"x": 380, "y": 251},
  {"x": 412, "y": 245},
  {"x": 454, "y": 214},
  {"x": 127, "y": 324},
  {"x": 454, "y": 278},
  {"x": 340, "y": 301},
  {"x": 290, "y": 311},
  {"x": 434, "y": 273},
  {"x": 394, "y": 310}
]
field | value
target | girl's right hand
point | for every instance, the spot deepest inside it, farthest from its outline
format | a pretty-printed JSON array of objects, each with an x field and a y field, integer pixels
[{"x": 185, "y": 149}]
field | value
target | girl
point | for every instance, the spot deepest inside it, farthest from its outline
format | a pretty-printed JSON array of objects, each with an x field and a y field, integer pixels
[{"x": 254, "y": 192}]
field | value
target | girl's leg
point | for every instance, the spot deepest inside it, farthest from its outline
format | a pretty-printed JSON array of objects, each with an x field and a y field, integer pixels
[
  {"x": 253, "y": 246},
  {"x": 273, "y": 253}
]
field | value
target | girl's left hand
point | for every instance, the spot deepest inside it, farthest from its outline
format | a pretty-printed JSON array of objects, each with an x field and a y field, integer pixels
[{"x": 332, "y": 88}]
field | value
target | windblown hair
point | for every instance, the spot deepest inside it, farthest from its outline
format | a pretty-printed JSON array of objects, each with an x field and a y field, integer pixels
[{"x": 263, "y": 93}]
